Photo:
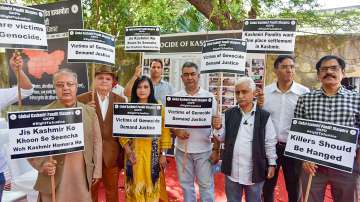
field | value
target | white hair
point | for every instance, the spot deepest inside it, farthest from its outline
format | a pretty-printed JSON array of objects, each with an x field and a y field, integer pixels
[
  {"x": 65, "y": 71},
  {"x": 248, "y": 81}
]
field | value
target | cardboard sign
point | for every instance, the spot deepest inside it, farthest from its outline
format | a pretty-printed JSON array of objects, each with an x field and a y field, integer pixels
[
  {"x": 224, "y": 55},
  {"x": 188, "y": 112},
  {"x": 137, "y": 120},
  {"x": 323, "y": 143},
  {"x": 270, "y": 36},
  {"x": 45, "y": 132},
  {"x": 22, "y": 27},
  {"x": 142, "y": 39},
  {"x": 91, "y": 46}
]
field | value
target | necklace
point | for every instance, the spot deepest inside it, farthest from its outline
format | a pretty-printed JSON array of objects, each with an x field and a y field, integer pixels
[{"x": 246, "y": 120}]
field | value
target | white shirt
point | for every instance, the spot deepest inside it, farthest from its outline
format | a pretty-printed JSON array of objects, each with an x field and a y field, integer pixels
[
  {"x": 119, "y": 90},
  {"x": 9, "y": 96},
  {"x": 199, "y": 140},
  {"x": 242, "y": 162},
  {"x": 104, "y": 104},
  {"x": 281, "y": 107}
]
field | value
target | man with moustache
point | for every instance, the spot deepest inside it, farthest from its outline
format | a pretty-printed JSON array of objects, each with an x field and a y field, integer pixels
[
  {"x": 331, "y": 103},
  {"x": 113, "y": 153},
  {"x": 280, "y": 101},
  {"x": 161, "y": 87},
  {"x": 75, "y": 172}
]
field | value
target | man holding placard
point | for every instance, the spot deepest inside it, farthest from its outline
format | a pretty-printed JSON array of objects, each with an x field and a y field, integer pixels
[
  {"x": 75, "y": 172},
  {"x": 280, "y": 101},
  {"x": 9, "y": 96},
  {"x": 193, "y": 145},
  {"x": 161, "y": 87},
  {"x": 113, "y": 155},
  {"x": 336, "y": 105}
]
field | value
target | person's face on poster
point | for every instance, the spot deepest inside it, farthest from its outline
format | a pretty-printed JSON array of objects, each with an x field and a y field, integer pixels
[
  {"x": 244, "y": 95},
  {"x": 156, "y": 70},
  {"x": 103, "y": 82},
  {"x": 190, "y": 77},
  {"x": 143, "y": 90},
  {"x": 66, "y": 88},
  {"x": 330, "y": 73},
  {"x": 285, "y": 71}
]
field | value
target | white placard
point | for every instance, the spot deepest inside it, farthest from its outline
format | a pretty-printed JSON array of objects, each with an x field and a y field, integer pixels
[
  {"x": 142, "y": 39},
  {"x": 89, "y": 46},
  {"x": 22, "y": 27},
  {"x": 224, "y": 55},
  {"x": 45, "y": 132},
  {"x": 137, "y": 120},
  {"x": 188, "y": 112},
  {"x": 270, "y": 36},
  {"x": 323, "y": 143}
]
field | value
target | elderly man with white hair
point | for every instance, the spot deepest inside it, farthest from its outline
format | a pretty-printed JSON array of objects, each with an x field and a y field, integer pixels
[{"x": 249, "y": 156}]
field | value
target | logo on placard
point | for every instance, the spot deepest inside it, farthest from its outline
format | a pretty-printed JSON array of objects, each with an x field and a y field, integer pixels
[
  {"x": 210, "y": 99},
  {"x": 74, "y": 8},
  {"x": 40, "y": 14},
  {"x": 353, "y": 132},
  {"x": 168, "y": 98},
  {"x": 295, "y": 122},
  {"x": 157, "y": 28},
  {"x": 158, "y": 107},
  {"x": 246, "y": 22},
  {"x": 13, "y": 116},
  {"x": 243, "y": 43},
  {"x": 71, "y": 32},
  {"x": 293, "y": 22},
  {"x": 116, "y": 106},
  {"x": 77, "y": 112}
]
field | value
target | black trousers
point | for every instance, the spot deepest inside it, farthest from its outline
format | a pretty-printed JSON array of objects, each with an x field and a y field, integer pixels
[{"x": 291, "y": 169}]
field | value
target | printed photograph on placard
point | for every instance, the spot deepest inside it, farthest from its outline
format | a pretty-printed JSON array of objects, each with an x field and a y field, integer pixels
[
  {"x": 214, "y": 90},
  {"x": 214, "y": 81},
  {"x": 228, "y": 91},
  {"x": 228, "y": 100},
  {"x": 228, "y": 81}
]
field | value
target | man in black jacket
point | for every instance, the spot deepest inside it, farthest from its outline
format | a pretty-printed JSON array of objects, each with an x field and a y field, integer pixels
[{"x": 249, "y": 136}]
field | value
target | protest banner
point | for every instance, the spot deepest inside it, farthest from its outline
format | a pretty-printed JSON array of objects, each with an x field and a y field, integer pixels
[
  {"x": 188, "y": 112},
  {"x": 89, "y": 46},
  {"x": 137, "y": 120},
  {"x": 270, "y": 36},
  {"x": 224, "y": 55},
  {"x": 142, "y": 39},
  {"x": 22, "y": 27},
  {"x": 322, "y": 143},
  {"x": 45, "y": 132},
  {"x": 41, "y": 65}
]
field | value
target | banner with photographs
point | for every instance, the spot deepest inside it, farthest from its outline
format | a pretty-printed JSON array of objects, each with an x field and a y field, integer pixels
[
  {"x": 323, "y": 143},
  {"x": 142, "y": 39},
  {"x": 90, "y": 46},
  {"x": 41, "y": 65},
  {"x": 137, "y": 120},
  {"x": 270, "y": 36},
  {"x": 223, "y": 55},
  {"x": 45, "y": 132},
  {"x": 22, "y": 27}
]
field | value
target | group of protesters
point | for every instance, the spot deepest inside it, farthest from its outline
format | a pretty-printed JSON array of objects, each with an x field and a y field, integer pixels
[{"x": 254, "y": 134}]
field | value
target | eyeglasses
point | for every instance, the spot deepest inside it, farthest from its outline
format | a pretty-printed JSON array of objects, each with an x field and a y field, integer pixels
[
  {"x": 62, "y": 84},
  {"x": 333, "y": 68}
]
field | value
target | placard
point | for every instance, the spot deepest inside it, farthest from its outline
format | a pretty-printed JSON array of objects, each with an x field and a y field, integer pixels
[
  {"x": 270, "y": 36},
  {"x": 45, "y": 132},
  {"x": 137, "y": 120},
  {"x": 224, "y": 55},
  {"x": 188, "y": 112},
  {"x": 22, "y": 27},
  {"x": 90, "y": 46},
  {"x": 323, "y": 143},
  {"x": 142, "y": 39}
]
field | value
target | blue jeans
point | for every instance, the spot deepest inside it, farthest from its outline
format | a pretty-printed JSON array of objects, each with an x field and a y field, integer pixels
[
  {"x": 2, "y": 184},
  {"x": 199, "y": 166},
  {"x": 235, "y": 190}
]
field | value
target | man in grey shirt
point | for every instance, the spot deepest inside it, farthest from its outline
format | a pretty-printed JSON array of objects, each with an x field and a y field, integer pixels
[{"x": 161, "y": 87}]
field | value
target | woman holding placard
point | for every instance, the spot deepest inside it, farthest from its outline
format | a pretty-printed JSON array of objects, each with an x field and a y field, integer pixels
[{"x": 145, "y": 157}]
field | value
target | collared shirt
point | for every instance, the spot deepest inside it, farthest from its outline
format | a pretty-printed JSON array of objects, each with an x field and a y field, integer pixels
[
  {"x": 281, "y": 106},
  {"x": 199, "y": 140},
  {"x": 9, "y": 96},
  {"x": 343, "y": 108},
  {"x": 242, "y": 163},
  {"x": 103, "y": 104},
  {"x": 162, "y": 89}
]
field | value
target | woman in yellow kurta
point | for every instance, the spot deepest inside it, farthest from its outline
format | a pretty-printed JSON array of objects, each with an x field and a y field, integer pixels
[{"x": 145, "y": 159}]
